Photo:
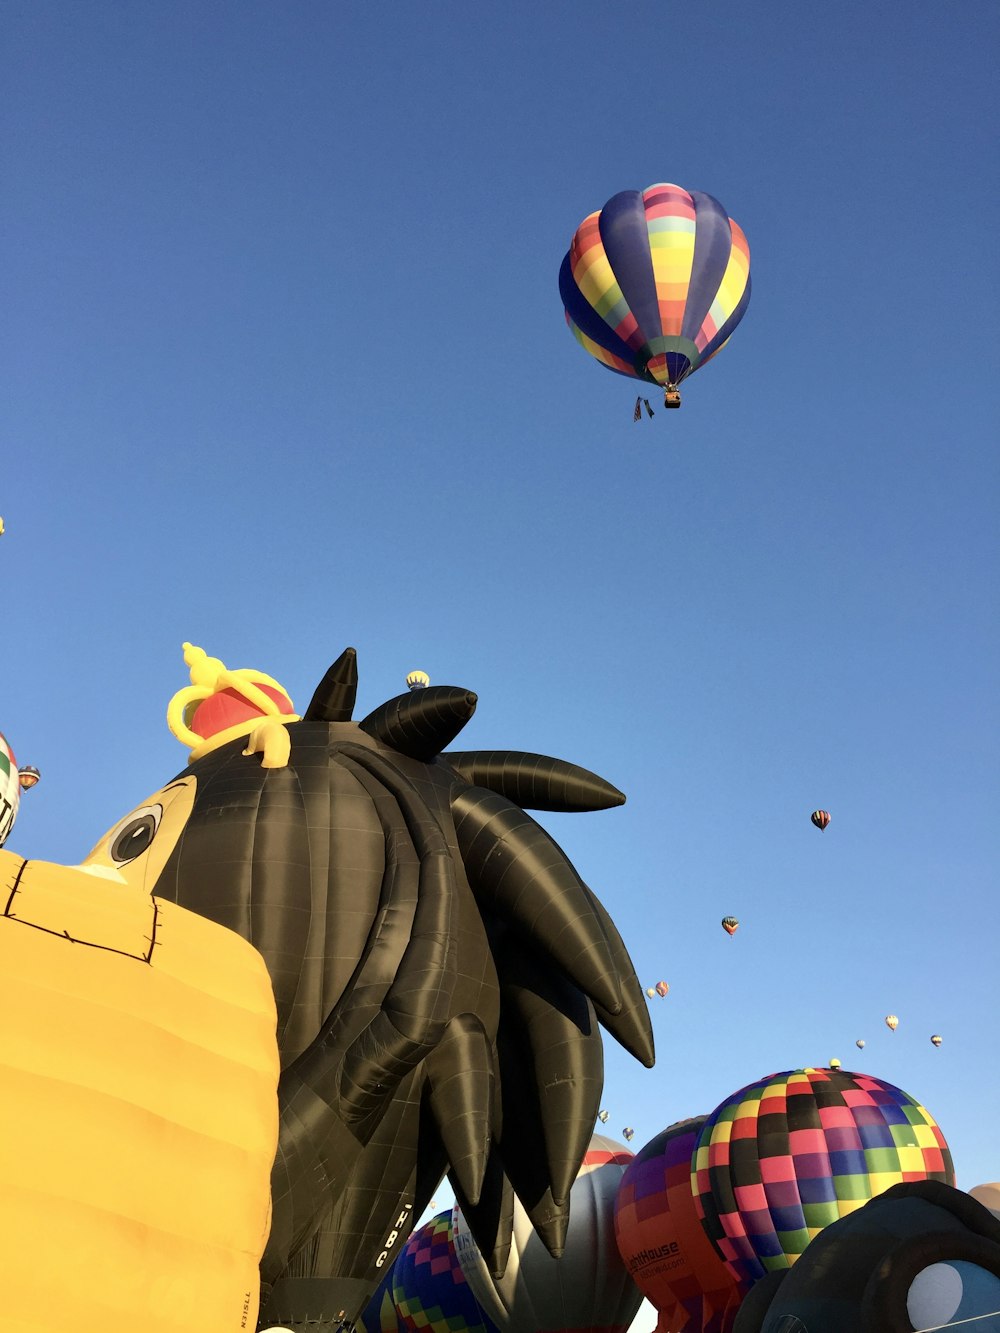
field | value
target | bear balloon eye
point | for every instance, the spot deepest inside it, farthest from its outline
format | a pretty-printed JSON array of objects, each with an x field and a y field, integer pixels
[{"x": 135, "y": 834}]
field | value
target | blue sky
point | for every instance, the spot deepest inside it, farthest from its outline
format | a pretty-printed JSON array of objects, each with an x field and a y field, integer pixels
[{"x": 287, "y": 370}]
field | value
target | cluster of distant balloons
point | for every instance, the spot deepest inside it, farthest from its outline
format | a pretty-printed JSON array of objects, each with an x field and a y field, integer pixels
[{"x": 685, "y": 1222}]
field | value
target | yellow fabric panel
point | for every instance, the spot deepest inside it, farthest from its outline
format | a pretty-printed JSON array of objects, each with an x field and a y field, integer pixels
[{"x": 138, "y": 1112}]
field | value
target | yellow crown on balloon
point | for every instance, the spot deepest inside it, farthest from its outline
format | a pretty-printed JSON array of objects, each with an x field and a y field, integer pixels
[{"x": 222, "y": 705}]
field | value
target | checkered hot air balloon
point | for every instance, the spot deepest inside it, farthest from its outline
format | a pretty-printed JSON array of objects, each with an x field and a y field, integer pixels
[
  {"x": 429, "y": 1289},
  {"x": 655, "y": 282},
  {"x": 784, "y": 1157},
  {"x": 662, "y": 1241}
]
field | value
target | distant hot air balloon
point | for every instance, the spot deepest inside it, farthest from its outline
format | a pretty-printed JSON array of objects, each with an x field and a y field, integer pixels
[
  {"x": 820, "y": 818},
  {"x": 662, "y": 989},
  {"x": 662, "y": 1241},
  {"x": 654, "y": 284},
  {"x": 860, "y": 1043},
  {"x": 588, "y": 1288},
  {"x": 650, "y": 991},
  {"x": 28, "y": 776},
  {"x": 628, "y": 1134},
  {"x": 730, "y": 925},
  {"x": 936, "y": 1040},
  {"x": 834, "y": 1063},
  {"x": 429, "y": 1289},
  {"x": 842, "y": 1137},
  {"x": 418, "y": 680},
  {"x": 603, "y": 1117},
  {"x": 891, "y": 1022}
]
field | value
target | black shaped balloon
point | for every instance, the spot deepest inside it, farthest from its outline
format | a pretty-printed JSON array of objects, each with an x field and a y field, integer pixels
[
  {"x": 435, "y": 960},
  {"x": 922, "y": 1255}
]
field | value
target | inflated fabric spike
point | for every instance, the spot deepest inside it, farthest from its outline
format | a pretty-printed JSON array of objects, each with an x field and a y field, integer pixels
[
  {"x": 460, "y": 1077},
  {"x": 490, "y": 1222},
  {"x": 554, "y": 1027},
  {"x": 631, "y": 1026},
  {"x": 336, "y": 693},
  {"x": 421, "y": 724},
  {"x": 517, "y": 870},
  {"x": 535, "y": 781}
]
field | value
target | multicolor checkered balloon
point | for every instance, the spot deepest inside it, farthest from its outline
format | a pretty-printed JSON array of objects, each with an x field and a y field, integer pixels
[
  {"x": 781, "y": 1159},
  {"x": 429, "y": 1288}
]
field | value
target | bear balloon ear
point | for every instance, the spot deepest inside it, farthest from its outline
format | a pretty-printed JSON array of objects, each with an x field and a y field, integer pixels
[{"x": 337, "y": 691}]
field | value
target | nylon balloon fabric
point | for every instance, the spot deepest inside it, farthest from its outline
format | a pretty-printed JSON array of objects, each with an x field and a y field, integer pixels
[
  {"x": 138, "y": 1117},
  {"x": 429, "y": 1289},
  {"x": 587, "y": 1290},
  {"x": 661, "y": 1239},
  {"x": 655, "y": 282},
  {"x": 784, "y": 1157}
]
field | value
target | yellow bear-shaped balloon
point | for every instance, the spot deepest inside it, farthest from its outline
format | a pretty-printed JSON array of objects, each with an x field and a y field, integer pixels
[{"x": 138, "y": 1104}]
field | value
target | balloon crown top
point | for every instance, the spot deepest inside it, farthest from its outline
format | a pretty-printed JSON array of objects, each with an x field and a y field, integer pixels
[
  {"x": 221, "y": 705},
  {"x": 418, "y": 680}
]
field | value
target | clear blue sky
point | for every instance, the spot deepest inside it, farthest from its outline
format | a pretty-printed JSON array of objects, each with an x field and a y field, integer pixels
[{"x": 286, "y": 370}]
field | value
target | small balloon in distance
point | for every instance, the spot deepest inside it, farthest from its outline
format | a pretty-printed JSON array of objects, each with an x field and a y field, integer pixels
[
  {"x": 730, "y": 925},
  {"x": 628, "y": 1134},
  {"x": 662, "y": 989},
  {"x": 891, "y": 1022},
  {"x": 820, "y": 818},
  {"x": 935, "y": 1040},
  {"x": 860, "y": 1043},
  {"x": 603, "y": 1116}
]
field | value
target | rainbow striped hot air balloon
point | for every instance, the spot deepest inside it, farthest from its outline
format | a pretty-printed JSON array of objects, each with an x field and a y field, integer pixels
[{"x": 654, "y": 284}]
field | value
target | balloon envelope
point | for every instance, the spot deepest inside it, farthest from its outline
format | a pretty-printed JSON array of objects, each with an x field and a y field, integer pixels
[
  {"x": 588, "y": 1289},
  {"x": 655, "y": 282},
  {"x": 782, "y": 1158},
  {"x": 10, "y": 790},
  {"x": 662, "y": 989},
  {"x": 662, "y": 1241},
  {"x": 891, "y": 1022},
  {"x": 730, "y": 925},
  {"x": 429, "y": 1289},
  {"x": 820, "y": 818}
]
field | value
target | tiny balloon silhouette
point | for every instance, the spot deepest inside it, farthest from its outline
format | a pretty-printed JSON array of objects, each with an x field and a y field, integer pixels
[
  {"x": 860, "y": 1043},
  {"x": 820, "y": 818},
  {"x": 935, "y": 1040},
  {"x": 730, "y": 925}
]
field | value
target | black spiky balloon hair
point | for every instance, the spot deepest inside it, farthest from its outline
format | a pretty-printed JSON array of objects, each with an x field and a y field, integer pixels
[{"x": 439, "y": 967}]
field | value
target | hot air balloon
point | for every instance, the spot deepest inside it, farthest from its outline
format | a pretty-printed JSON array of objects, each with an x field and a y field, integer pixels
[
  {"x": 603, "y": 1117},
  {"x": 429, "y": 1289},
  {"x": 650, "y": 991},
  {"x": 784, "y": 1157},
  {"x": 379, "y": 1315},
  {"x": 860, "y": 1043},
  {"x": 662, "y": 1241},
  {"x": 820, "y": 818},
  {"x": 10, "y": 789},
  {"x": 418, "y": 680},
  {"x": 654, "y": 284},
  {"x": 935, "y": 1040},
  {"x": 891, "y": 1022},
  {"x": 730, "y": 925},
  {"x": 28, "y": 777},
  {"x": 662, "y": 989},
  {"x": 834, "y": 1063},
  {"x": 587, "y": 1289},
  {"x": 628, "y": 1134}
]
